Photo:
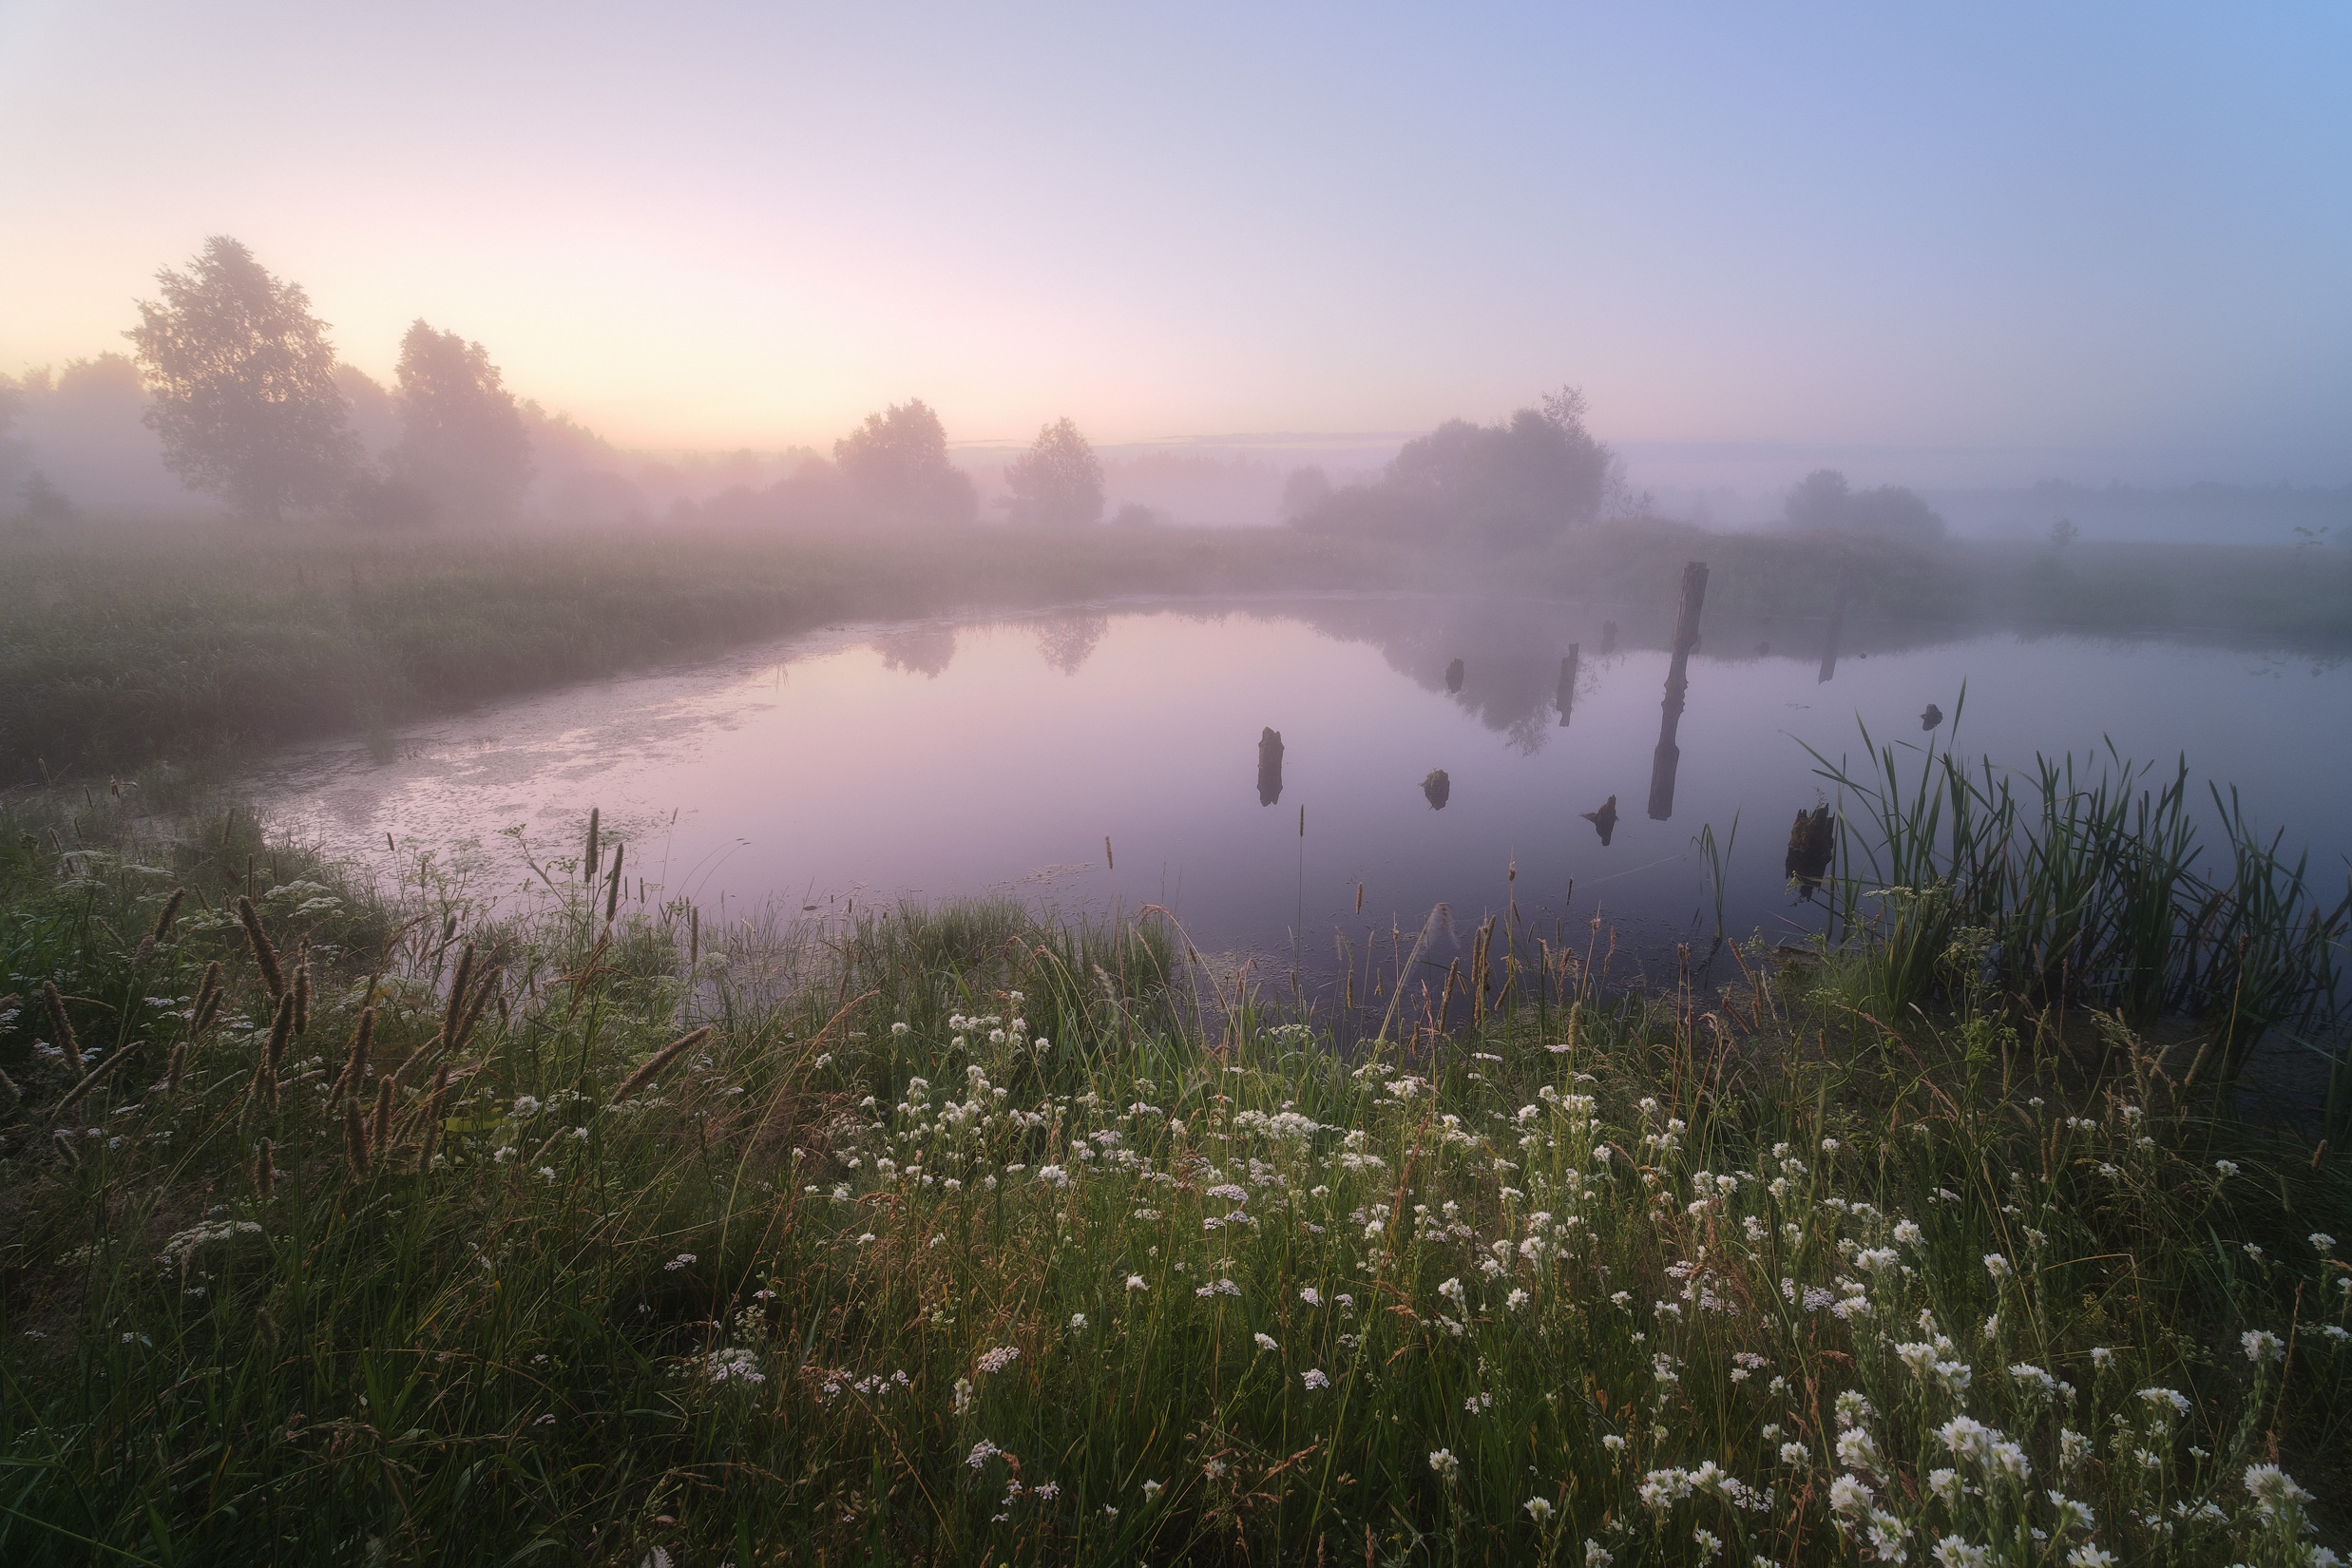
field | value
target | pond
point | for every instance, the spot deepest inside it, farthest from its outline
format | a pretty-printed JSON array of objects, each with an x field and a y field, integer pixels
[{"x": 1109, "y": 757}]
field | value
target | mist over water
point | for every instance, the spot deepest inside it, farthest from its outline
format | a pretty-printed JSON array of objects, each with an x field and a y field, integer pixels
[{"x": 943, "y": 757}]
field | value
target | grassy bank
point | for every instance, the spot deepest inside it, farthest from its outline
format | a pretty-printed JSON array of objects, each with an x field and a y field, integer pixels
[
  {"x": 122, "y": 644},
  {"x": 960, "y": 1236}
]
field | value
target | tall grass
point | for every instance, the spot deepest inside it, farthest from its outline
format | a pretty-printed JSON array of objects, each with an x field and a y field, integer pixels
[
  {"x": 2087, "y": 885},
  {"x": 959, "y": 1235}
]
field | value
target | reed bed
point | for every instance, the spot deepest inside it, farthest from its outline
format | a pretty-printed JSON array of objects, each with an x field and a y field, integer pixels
[
  {"x": 2088, "y": 885},
  {"x": 935, "y": 1235}
]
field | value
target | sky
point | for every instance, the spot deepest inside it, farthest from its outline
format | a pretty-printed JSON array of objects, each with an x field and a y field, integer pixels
[{"x": 2090, "y": 241}]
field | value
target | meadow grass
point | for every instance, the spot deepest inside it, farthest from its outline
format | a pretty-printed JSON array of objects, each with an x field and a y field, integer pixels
[{"x": 960, "y": 1236}]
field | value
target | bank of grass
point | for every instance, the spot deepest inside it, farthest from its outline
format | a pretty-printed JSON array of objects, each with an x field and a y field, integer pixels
[
  {"x": 122, "y": 643},
  {"x": 958, "y": 1235}
]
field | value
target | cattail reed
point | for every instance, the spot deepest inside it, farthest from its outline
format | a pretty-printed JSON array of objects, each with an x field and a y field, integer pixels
[
  {"x": 456, "y": 1009},
  {"x": 381, "y": 1135},
  {"x": 354, "y": 1075},
  {"x": 177, "y": 1069},
  {"x": 91, "y": 1080},
  {"x": 354, "y": 1138},
  {"x": 207, "y": 998},
  {"x": 264, "y": 1169},
  {"x": 171, "y": 909},
  {"x": 612, "y": 893},
  {"x": 61, "y": 1026},
  {"x": 436, "y": 1107},
  {"x": 475, "y": 1009},
  {"x": 302, "y": 996},
  {"x": 694, "y": 936},
  {"x": 588, "y": 862},
  {"x": 264, "y": 954},
  {"x": 660, "y": 1059},
  {"x": 282, "y": 1031}
]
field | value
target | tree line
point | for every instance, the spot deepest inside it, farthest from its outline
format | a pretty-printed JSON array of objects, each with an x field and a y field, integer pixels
[{"x": 243, "y": 391}]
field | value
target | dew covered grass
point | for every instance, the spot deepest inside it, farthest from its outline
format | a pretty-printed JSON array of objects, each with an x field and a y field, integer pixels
[{"x": 964, "y": 1235}]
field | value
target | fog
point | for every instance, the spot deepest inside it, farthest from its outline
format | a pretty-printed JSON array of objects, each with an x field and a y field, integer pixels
[{"x": 80, "y": 426}]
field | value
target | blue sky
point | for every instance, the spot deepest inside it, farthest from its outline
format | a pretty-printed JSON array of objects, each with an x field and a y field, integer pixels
[{"x": 2092, "y": 241}]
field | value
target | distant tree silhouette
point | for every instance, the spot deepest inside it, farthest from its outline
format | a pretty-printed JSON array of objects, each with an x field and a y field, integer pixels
[
  {"x": 462, "y": 439},
  {"x": 895, "y": 468},
  {"x": 15, "y": 456},
  {"x": 1503, "y": 486},
  {"x": 242, "y": 379},
  {"x": 1306, "y": 490},
  {"x": 1823, "y": 501},
  {"x": 1057, "y": 482}
]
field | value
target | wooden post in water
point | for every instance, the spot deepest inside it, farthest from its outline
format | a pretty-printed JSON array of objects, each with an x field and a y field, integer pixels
[
  {"x": 1669, "y": 755},
  {"x": 1837, "y": 630},
  {"x": 1565, "y": 698}
]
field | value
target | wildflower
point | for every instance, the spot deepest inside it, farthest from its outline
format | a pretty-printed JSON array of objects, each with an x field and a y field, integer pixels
[
  {"x": 1314, "y": 1377},
  {"x": 1310, "y": 1297},
  {"x": 1453, "y": 1292},
  {"x": 2322, "y": 1243},
  {"x": 1594, "y": 1557},
  {"x": 2072, "y": 1514},
  {"x": 1795, "y": 1453},
  {"x": 2178, "y": 1401},
  {"x": 1614, "y": 1443},
  {"x": 1077, "y": 1322},
  {"x": 1997, "y": 1265},
  {"x": 2272, "y": 1489},
  {"x": 2087, "y": 1555},
  {"x": 1135, "y": 1282},
  {"x": 1887, "y": 1535},
  {"x": 1215, "y": 1469},
  {"x": 1952, "y": 1551},
  {"x": 1265, "y": 1342},
  {"x": 2261, "y": 1345},
  {"x": 982, "y": 1452},
  {"x": 1538, "y": 1509},
  {"x": 1445, "y": 1463},
  {"x": 2226, "y": 1167},
  {"x": 1945, "y": 1484},
  {"x": 1708, "y": 1544},
  {"x": 679, "y": 1262},
  {"x": 963, "y": 1395},
  {"x": 1053, "y": 1175},
  {"x": 1151, "y": 1491},
  {"x": 1849, "y": 1495},
  {"x": 1000, "y": 1358},
  {"x": 2073, "y": 1447},
  {"x": 2253, "y": 1249},
  {"x": 1857, "y": 1450},
  {"x": 1516, "y": 1300}
]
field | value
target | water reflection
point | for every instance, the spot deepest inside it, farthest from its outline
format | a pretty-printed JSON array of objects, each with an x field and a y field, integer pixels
[
  {"x": 1067, "y": 639},
  {"x": 1270, "y": 767},
  {"x": 1453, "y": 677},
  {"x": 1666, "y": 759},
  {"x": 933, "y": 787},
  {"x": 1837, "y": 632},
  {"x": 1930, "y": 716},
  {"x": 926, "y": 650}
]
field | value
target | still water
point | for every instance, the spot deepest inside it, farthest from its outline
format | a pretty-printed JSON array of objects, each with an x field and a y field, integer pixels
[{"x": 997, "y": 756}]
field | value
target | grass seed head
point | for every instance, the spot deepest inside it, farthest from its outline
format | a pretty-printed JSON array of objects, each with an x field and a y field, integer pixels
[
  {"x": 60, "y": 1024},
  {"x": 264, "y": 955}
]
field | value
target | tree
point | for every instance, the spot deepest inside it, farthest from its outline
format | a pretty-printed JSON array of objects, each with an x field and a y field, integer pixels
[
  {"x": 462, "y": 440},
  {"x": 1306, "y": 490},
  {"x": 243, "y": 382},
  {"x": 1824, "y": 502},
  {"x": 1507, "y": 485},
  {"x": 1057, "y": 482},
  {"x": 896, "y": 468}
]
